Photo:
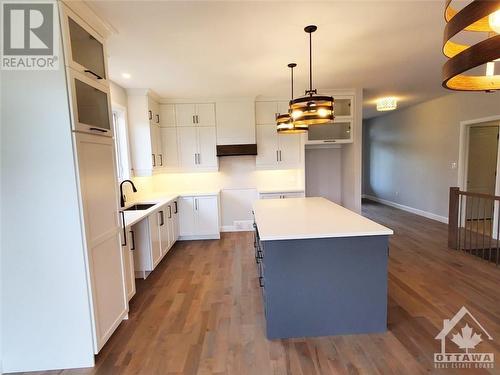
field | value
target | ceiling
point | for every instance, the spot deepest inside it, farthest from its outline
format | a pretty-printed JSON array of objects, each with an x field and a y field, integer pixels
[{"x": 211, "y": 49}]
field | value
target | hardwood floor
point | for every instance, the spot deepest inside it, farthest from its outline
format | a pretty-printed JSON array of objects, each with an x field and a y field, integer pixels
[{"x": 201, "y": 312}]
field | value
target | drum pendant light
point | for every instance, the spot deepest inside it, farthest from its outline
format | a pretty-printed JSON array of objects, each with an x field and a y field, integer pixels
[
  {"x": 284, "y": 122},
  {"x": 311, "y": 109}
]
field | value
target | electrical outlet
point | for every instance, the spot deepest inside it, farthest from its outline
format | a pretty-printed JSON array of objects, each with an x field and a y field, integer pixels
[{"x": 453, "y": 165}]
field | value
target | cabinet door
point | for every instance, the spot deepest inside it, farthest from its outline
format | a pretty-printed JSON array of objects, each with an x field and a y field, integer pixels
[
  {"x": 207, "y": 148},
  {"x": 205, "y": 113},
  {"x": 290, "y": 152},
  {"x": 154, "y": 232},
  {"x": 188, "y": 146},
  {"x": 283, "y": 107},
  {"x": 164, "y": 235},
  {"x": 185, "y": 114},
  {"x": 160, "y": 162},
  {"x": 265, "y": 113},
  {"x": 294, "y": 195},
  {"x": 98, "y": 183},
  {"x": 169, "y": 147},
  {"x": 267, "y": 145},
  {"x": 171, "y": 225},
  {"x": 176, "y": 221},
  {"x": 154, "y": 145},
  {"x": 270, "y": 196},
  {"x": 187, "y": 224},
  {"x": 207, "y": 215},
  {"x": 167, "y": 115},
  {"x": 128, "y": 266}
]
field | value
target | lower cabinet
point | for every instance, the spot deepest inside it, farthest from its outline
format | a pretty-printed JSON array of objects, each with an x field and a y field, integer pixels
[
  {"x": 128, "y": 263},
  {"x": 199, "y": 217},
  {"x": 282, "y": 195}
]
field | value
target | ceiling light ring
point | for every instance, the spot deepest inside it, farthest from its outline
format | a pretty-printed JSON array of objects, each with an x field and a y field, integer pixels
[{"x": 480, "y": 23}]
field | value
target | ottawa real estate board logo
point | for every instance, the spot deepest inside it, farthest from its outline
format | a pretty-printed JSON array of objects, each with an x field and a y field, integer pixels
[
  {"x": 30, "y": 36},
  {"x": 463, "y": 340}
]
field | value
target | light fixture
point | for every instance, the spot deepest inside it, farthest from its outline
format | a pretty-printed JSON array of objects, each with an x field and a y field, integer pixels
[
  {"x": 477, "y": 17},
  {"x": 311, "y": 109},
  {"x": 284, "y": 122},
  {"x": 126, "y": 75},
  {"x": 389, "y": 103}
]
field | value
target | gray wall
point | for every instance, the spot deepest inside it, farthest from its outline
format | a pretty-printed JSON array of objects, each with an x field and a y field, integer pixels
[{"x": 407, "y": 154}]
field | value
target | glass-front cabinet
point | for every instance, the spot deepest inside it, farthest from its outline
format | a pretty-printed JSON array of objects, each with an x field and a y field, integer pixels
[{"x": 337, "y": 131}]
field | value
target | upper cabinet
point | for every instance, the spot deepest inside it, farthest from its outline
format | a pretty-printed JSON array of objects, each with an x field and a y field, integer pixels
[
  {"x": 235, "y": 122},
  {"x": 266, "y": 112},
  {"x": 201, "y": 114},
  {"x": 85, "y": 50},
  {"x": 167, "y": 115},
  {"x": 145, "y": 132}
]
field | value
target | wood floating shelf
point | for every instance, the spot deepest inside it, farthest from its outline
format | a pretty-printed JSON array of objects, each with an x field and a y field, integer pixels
[{"x": 462, "y": 58}]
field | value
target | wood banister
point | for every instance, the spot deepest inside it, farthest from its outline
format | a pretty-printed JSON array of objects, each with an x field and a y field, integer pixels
[{"x": 453, "y": 217}]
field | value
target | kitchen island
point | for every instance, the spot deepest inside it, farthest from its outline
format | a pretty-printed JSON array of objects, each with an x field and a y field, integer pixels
[{"x": 322, "y": 268}]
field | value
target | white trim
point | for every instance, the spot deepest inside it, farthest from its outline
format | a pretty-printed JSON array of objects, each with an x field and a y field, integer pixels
[
  {"x": 199, "y": 237},
  {"x": 416, "y": 211},
  {"x": 233, "y": 228}
]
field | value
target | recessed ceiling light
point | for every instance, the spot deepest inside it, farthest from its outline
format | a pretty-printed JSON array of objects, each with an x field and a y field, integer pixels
[
  {"x": 126, "y": 75},
  {"x": 387, "y": 104}
]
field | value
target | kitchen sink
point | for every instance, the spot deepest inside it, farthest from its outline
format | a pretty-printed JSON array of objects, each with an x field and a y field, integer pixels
[{"x": 140, "y": 207}]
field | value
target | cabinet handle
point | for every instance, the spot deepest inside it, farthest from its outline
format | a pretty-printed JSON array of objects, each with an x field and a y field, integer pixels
[
  {"x": 150, "y": 114},
  {"x": 280, "y": 156},
  {"x": 194, "y": 119},
  {"x": 161, "y": 160},
  {"x": 199, "y": 158},
  {"x": 98, "y": 130},
  {"x": 154, "y": 160},
  {"x": 94, "y": 74},
  {"x": 175, "y": 205},
  {"x": 261, "y": 281},
  {"x": 196, "y": 204},
  {"x": 169, "y": 211},
  {"x": 157, "y": 119},
  {"x": 162, "y": 218},
  {"x": 124, "y": 243},
  {"x": 277, "y": 157},
  {"x": 133, "y": 240},
  {"x": 195, "y": 159},
  {"x": 329, "y": 141}
]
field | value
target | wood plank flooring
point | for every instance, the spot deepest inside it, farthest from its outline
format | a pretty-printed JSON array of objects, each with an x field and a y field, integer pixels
[{"x": 200, "y": 312}]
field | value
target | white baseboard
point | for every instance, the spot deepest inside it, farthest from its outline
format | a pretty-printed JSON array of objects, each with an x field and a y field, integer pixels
[
  {"x": 416, "y": 211},
  {"x": 238, "y": 226},
  {"x": 194, "y": 238}
]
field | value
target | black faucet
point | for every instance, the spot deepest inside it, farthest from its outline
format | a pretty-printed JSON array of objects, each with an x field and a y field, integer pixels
[{"x": 122, "y": 197}]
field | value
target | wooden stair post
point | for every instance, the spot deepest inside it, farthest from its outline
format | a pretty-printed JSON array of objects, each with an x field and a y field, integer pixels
[{"x": 453, "y": 219}]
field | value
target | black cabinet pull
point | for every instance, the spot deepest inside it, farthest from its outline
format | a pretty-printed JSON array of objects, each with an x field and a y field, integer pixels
[
  {"x": 98, "y": 130},
  {"x": 162, "y": 218},
  {"x": 161, "y": 160},
  {"x": 150, "y": 114},
  {"x": 157, "y": 119},
  {"x": 133, "y": 240},
  {"x": 175, "y": 205},
  {"x": 94, "y": 74},
  {"x": 169, "y": 211},
  {"x": 124, "y": 243},
  {"x": 261, "y": 281},
  {"x": 154, "y": 160}
]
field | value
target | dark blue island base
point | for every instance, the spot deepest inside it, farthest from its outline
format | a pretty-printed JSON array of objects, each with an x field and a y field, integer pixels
[{"x": 325, "y": 286}]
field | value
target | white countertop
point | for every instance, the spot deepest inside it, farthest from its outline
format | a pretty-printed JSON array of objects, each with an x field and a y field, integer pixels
[
  {"x": 159, "y": 199},
  {"x": 302, "y": 218}
]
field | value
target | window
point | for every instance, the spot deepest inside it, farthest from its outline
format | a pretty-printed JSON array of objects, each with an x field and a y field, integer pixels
[{"x": 121, "y": 144}]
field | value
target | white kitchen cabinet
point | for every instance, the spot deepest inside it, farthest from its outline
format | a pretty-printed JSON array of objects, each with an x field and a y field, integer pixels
[
  {"x": 278, "y": 151},
  {"x": 197, "y": 148},
  {"x": 266, "y": 112},
  {"x": 282, "y": 195},
  {"x": 166, "y": 233},
  {"x": 176, "y": 220},
  {"x": 99, "y": 197},
  {"x": 167, "y": 115},
  {"x": 147, "y": 241},
  {"x": 169, "y": 148},
  {"x": 201, "y": 114},
  {"x": 144, "y": 132},
  {"x": 154, "y": 232},
  {"x": 199, "y": 217},
  {"x": 128, "y": 264}
]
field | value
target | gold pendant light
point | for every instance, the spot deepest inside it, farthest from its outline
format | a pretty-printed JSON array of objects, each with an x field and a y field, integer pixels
[
  {"x": 311, "y": 109},
  {"x": 284, "y": 122},
  {"x": 477, "y": 17}
]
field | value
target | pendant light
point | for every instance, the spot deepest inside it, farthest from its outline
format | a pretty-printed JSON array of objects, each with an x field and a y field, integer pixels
[
  {"x": 311, "y": 109},
  {"x": 284, "y": 122},
  {"x": 480, "y": 18}
]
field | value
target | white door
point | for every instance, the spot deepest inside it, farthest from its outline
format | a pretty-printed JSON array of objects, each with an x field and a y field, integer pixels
[
  {"x": 185, "y": 114},
  {"x": 188, "y": 146},
  {"x": 207, "y": 144},
  {"x": 167, "y": 115},
  {"x": 265, "y": 113},
  {"x": 207, "y": 214},
  {"x": 205, "y": 114},
  {"x": 98, "y": 183},
  {"x": 187, "y": 224},
  {"x": 163, "y": 228},
  {"x": 154, "y": 232},
  {"x": 169, "y": 147},
  {"x": 267, "y": 145},
  {"x": 290, "y": 153}
]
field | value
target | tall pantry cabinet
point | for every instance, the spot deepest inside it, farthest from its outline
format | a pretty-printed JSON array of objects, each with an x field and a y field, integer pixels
[{"x": 63, "y": 291}]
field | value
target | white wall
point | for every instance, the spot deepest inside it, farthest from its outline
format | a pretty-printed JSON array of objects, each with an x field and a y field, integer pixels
[
  {"x": 118, "y": 94},
  {"x": 407, "y": 154},
  {"x": 45, "y": 315},
  {"x": 324, "y": 173}
]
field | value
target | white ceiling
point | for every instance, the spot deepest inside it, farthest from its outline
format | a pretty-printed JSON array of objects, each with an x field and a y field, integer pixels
[{"x": 225, "y": 49}]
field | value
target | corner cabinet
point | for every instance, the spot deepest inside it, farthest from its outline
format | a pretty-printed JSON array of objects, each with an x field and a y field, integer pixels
[
  {"x": 145, "y": 133},
  {"x": 199, "y": 217}
]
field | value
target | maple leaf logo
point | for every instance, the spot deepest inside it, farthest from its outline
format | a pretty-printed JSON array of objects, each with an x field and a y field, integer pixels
[{"x": 467, "y": 340}]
